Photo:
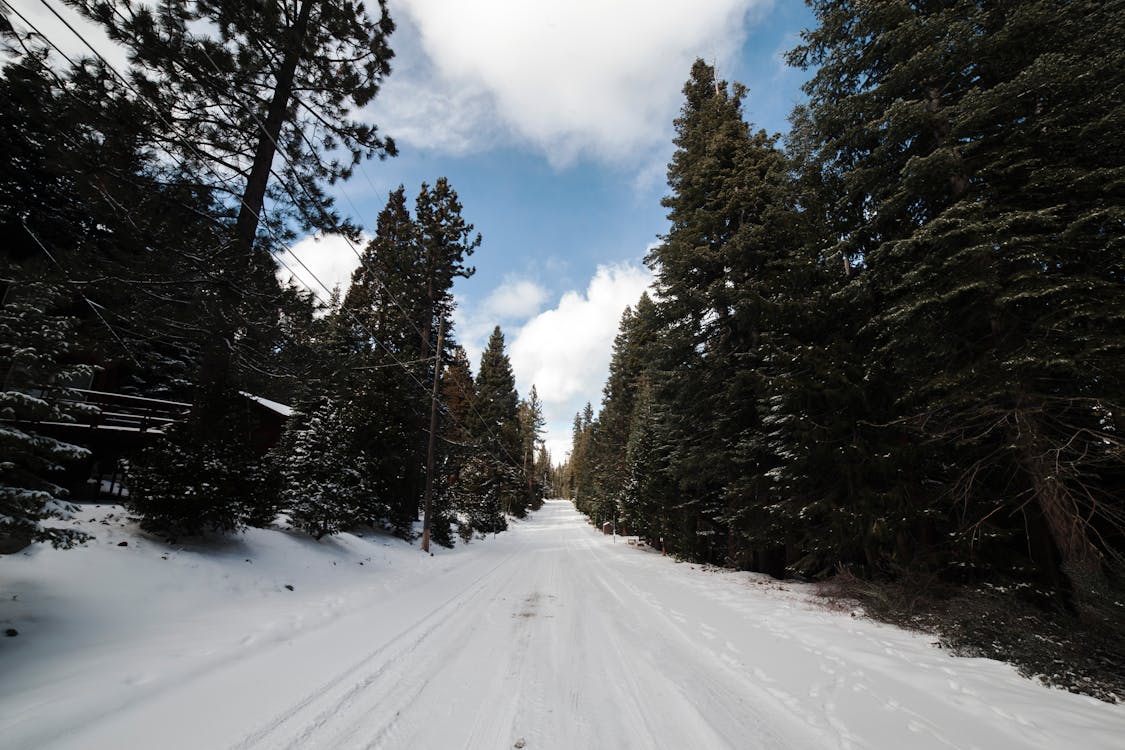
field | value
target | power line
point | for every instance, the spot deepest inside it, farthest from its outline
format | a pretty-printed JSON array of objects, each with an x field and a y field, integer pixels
[
  {"x": 81, "y": 294},
  {"x": 118, "y": 333},
  {"x": 206, "y": 163},
  {"x": 281, "y": 152}
]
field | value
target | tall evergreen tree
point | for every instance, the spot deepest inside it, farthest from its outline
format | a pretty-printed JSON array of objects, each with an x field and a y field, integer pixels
[
  {"x": 546, "y": 478},
  {"x": 381, "y": 310},
  {"x": 646, "y": 496},
  {"x": 531, "y": 424},
  {"x": 387, "y": 277},
  {"x": 236, "y": 85},
  {"x": 400, "y": 293},
  {"x": 615, "y": 419},
  {"x": 731, "y": 212},
  {"x": 445, "y": 241},
  {"x": 496, "y": 428}
]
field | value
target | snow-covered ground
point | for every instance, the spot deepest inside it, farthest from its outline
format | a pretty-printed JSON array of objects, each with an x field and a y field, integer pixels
[{"x": 549, "y": 636}]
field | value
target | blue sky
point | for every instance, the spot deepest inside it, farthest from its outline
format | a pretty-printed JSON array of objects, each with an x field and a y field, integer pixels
[{"x": 553, "y": 121}]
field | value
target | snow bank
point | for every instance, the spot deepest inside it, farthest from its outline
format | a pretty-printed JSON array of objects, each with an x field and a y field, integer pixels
[{"x": 126, "y": 615}]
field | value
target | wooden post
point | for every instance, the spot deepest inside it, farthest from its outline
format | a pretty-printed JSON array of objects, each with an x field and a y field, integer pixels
[{"x": 433, "y": 435}]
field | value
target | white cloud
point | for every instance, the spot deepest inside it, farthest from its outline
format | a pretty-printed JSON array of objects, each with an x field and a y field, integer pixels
[
  {"x": 417, "y": 106},
  {"x": 515, "y": 298},
  {"x": 565, "y": 351},
  {"x": 329, "y": 257},
  {"x": 508, "y": 305},
  {"x": 596, "y": 78}
]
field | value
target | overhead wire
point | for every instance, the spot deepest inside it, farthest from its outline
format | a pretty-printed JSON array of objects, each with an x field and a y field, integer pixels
[
  {"x": 363, "y": 261},
  {"x": 206, "y": 163},
  {"x": 118, "y": 332},
  {"x": 82, "y": 294}
]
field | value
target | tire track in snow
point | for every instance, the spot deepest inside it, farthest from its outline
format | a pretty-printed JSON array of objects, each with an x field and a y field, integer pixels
[
  {"x": 704, "y": 678},
  {"x": 417, "y": 676},
  {"x": 400, "y": 644}
]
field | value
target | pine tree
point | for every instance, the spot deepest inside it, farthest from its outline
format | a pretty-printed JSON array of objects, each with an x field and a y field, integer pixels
[
  {"x": 584, "y": 464},
  {"x": 33, "y": 342},
  {"x": 546, "y": 479},
  {"x": 615, "y": 422},
  {"x": 388, "y": 277},
  {"x": 979, "y": 184},
  {"x": 731, "y": 212},
  {"x": 284, "y": 76},
  {"x": 381, "y": 311},
  {"x": 645, "y": 497},
  {"x": 475, "y": 486},
  {"x": 445, "y": 240},
  {"x": 238, "y": 84},
  {"x": 496, "y": 402},
  {"x": 531, "y": 424},
  {"x": 482, "y": 491},
  {"x": 634, "y": 352},
  {"x": 323, "y": 486},
  {"x": 399, "y": 295},
  {"x": 495, "y": 429}
]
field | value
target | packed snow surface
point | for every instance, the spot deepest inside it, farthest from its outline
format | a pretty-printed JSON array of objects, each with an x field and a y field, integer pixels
[{"x": 548, "y": 636}]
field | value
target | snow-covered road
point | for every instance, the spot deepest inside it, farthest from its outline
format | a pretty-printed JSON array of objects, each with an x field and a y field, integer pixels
[{"x": 550, "y": 636}]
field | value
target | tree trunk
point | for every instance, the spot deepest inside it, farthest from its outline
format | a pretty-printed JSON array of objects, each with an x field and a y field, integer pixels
[
  {"x": 1069, "y": 529},
  {"x": 253, "y": 196},
  {"x": 215, "y": 368},
  {"x": 959, "y": 178}
]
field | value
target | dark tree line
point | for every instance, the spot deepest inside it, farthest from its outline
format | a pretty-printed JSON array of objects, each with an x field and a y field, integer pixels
[
  {"x": 897, "y": 343},
  {"x": 142, "y": 210}
]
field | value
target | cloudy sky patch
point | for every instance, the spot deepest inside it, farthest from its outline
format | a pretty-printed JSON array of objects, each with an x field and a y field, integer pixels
[{"x": 586, "y": 78}]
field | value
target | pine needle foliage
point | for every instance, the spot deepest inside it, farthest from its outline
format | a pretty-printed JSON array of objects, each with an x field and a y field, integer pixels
[{"x": 33, "y": 343}]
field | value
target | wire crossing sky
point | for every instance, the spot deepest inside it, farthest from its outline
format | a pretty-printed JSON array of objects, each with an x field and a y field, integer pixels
[{"x": 553, "y": 121}]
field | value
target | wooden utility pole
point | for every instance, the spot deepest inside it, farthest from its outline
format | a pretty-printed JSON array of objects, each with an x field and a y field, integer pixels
[{"x": 433, "y": 439}]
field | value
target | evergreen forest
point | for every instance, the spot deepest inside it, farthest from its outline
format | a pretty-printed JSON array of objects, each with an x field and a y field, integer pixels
[
  {"x": 146, "y": 217},
  {"x": 892, "y": 346}
]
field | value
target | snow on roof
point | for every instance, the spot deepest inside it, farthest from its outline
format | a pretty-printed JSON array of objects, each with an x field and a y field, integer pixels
[
  {"x": 130, "y": 397},
  {"x": 282, "y": 409},
  {"x": 157, "y": 429}
]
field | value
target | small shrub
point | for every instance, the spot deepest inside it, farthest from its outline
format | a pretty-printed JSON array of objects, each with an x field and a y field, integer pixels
[
  {"x": 203, "y": 477},
  {"x": 465, "y": 531}
]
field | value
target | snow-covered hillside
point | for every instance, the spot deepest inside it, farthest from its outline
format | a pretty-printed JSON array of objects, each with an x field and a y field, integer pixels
[{"x": 549, "y": 636}]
